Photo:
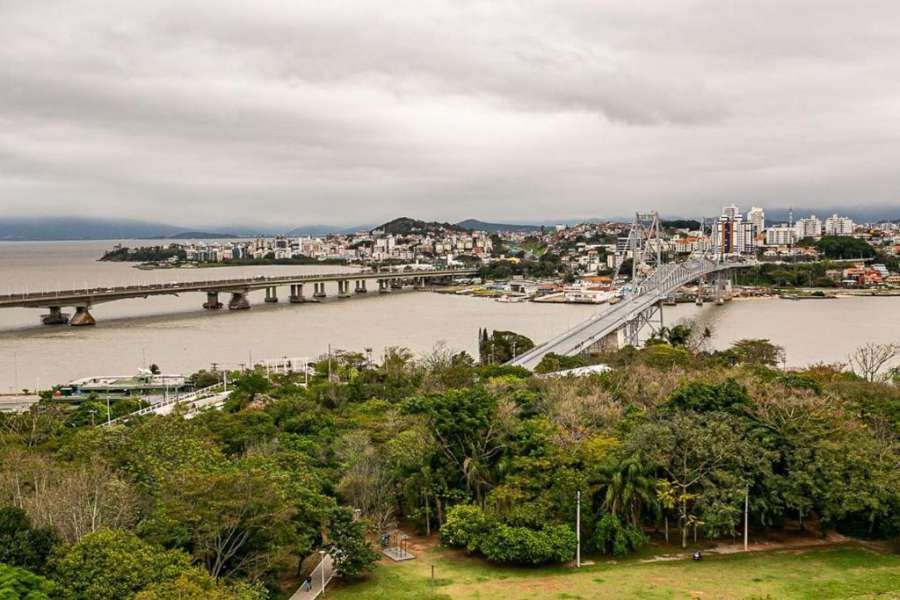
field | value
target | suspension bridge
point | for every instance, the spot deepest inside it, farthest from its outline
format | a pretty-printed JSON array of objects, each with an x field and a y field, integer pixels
[{"x": 653, "y": 280}]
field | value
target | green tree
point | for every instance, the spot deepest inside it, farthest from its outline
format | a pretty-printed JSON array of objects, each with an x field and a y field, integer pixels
[
  {"x": 196, "y": 584},
  {"x": 466, "y": 431},
  {"x": 21, "y": 584},
  {"x": 701, "y": 455},
  {"x": 627, "y": 489},
  {"x": 758, "y": 352},
  {"x": 21, "y": 545},
  {"x": 347, "y": 544},
  {"x": 237, "y": 520},
  {"x": 110, "y": 565}
]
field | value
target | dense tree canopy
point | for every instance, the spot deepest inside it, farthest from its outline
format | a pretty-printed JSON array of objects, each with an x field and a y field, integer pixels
[{"x": 671, "y": 441}]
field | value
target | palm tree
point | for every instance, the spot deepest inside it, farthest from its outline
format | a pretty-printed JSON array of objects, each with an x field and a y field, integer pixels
[{"x": 628, "y": 488}]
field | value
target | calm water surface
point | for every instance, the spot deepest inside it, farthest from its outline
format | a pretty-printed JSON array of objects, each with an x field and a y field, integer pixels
[{"x": 177, "y": 334}]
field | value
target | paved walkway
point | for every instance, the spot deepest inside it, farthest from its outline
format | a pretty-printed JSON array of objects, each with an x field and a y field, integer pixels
[{"x": 325, "y": 569}]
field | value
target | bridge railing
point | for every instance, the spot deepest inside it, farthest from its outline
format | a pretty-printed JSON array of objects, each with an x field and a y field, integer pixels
[{"x": 177, "y": 399}]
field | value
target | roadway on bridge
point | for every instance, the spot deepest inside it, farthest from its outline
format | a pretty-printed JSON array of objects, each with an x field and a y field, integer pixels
[{"x": 661, "y": 284}]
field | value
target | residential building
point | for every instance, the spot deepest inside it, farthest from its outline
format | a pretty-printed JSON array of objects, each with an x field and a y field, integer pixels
[
  {"x": 781, "y": 235},
  {"x": 836, "y": 225},
  {"x": 810, "y": 227}
]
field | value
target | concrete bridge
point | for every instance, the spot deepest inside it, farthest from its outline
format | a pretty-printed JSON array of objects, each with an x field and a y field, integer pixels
[
  {"x": 238, "y": 289},
  {"x": 621, "y": 323}
]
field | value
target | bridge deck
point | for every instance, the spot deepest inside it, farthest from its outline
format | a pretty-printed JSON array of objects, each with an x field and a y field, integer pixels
[
  {"x": 657, "y": 287},
  {"x": 107, "y": 294}
]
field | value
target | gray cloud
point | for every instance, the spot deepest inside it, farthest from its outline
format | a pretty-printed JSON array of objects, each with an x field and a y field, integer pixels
[{"x": 349, "y": 112}]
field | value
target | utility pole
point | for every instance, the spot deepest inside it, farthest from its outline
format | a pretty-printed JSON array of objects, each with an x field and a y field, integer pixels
[
  {"x": 746, "y": 518},
  {"x": 578, "y": 528}
]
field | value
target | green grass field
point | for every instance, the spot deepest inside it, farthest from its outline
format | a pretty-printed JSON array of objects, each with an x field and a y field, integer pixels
[{"x": 814, "y": 574}]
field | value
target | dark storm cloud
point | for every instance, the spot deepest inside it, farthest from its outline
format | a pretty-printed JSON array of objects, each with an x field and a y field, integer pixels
[{"x": 350, "y": 112}]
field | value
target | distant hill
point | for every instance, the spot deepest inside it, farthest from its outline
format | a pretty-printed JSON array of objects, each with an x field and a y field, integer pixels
[
  {"x": 476, "y": 225},
  {"x": 318, "y": 230},
  {"x": 77, "y": 228},
  {"x": 202, "y": 235},
  {"x": 406, "y": 225}
]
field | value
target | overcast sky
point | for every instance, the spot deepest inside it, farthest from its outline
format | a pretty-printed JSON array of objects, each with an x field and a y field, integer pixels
[{"x": 310, "y": 112}]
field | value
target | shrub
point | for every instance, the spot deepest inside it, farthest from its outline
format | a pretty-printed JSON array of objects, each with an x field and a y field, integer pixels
[
  {"x": 613, "y": 537},
  {"x": 466, "y": 526},
  {"x": 524, "y": 546}
]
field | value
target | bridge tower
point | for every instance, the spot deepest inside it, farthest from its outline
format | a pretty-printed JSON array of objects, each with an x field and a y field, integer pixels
[{"x": 643, "y": 245}]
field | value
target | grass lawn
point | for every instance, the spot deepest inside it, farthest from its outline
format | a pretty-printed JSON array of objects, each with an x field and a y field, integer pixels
[{"x": 847, "y": 571}]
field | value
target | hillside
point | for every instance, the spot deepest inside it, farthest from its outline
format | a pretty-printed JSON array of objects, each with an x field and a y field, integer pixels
[
  {"x": 406, "y": 225},
  {"x": 476, "y": 225}
]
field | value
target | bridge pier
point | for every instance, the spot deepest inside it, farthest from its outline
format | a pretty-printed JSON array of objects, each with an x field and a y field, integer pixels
[
  {"x": 82, "y": 317},
  {"x": 396, "y": 284},
  {"x": 384, "y": 286},
  {"x": 343, "y": 289},
  {"x": 319, "y": 290},
  {"x": 239, "y": 301},
  {"x": 272, "y": 295},
  {"x": 212, "y": 301},
  {"x": 55, "y": 317},
  {"x": 361, "y": 286},
  {"x": 297, "y": 294},
  {"x": 723, "y": 290}
]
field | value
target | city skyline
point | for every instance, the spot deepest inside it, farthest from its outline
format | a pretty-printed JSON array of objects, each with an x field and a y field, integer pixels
[{"x": 346, "y": 115}]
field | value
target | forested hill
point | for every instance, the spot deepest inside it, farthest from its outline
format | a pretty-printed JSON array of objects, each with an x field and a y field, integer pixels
[{"x": 407, "y": 225}]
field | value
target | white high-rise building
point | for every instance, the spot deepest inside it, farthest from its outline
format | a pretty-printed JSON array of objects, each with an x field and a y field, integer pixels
[
  {"x": 731, "y": 234},
  {"x": 835, "y": 225},
  {"x": 810, "y": 227},
  {"x": 781, "y": 235},
  {"x": 731, "y": 212},
  {"x": 757, "y": 217}
]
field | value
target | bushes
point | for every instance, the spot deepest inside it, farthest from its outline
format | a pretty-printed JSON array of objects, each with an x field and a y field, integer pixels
[
  {"x": 613, "y": 537},
  {"x": 16, "y": 583},
  {"x": 524, "y": 546},
  {"x": 469, "y": 527},
  {"x": 466, "y": 526}
]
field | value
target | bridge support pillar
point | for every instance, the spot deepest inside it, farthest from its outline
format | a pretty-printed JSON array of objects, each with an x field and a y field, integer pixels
[
  {"x": 55, "y": 317},
  {"x": 384, "y": 286},
  {"x": 396, "y": 284},
  {"x": 343, "y": 289},
  {"x": 297, "y": 294},
  {"x": 272, "y": 295},
  {"x": 722, "y": 288},
  {"x": 319, "y": 290},
  {"x": 82, "y": 317},
  {"x": 212, "y": 301},
  {"x": 361, "y": 286},
  {"x": 238, "y": 301}
]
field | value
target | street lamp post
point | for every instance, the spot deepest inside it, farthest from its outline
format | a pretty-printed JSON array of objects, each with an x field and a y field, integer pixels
[
  {"x": 578, "y": 528},
  {"x": 322, "y": 563}
]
